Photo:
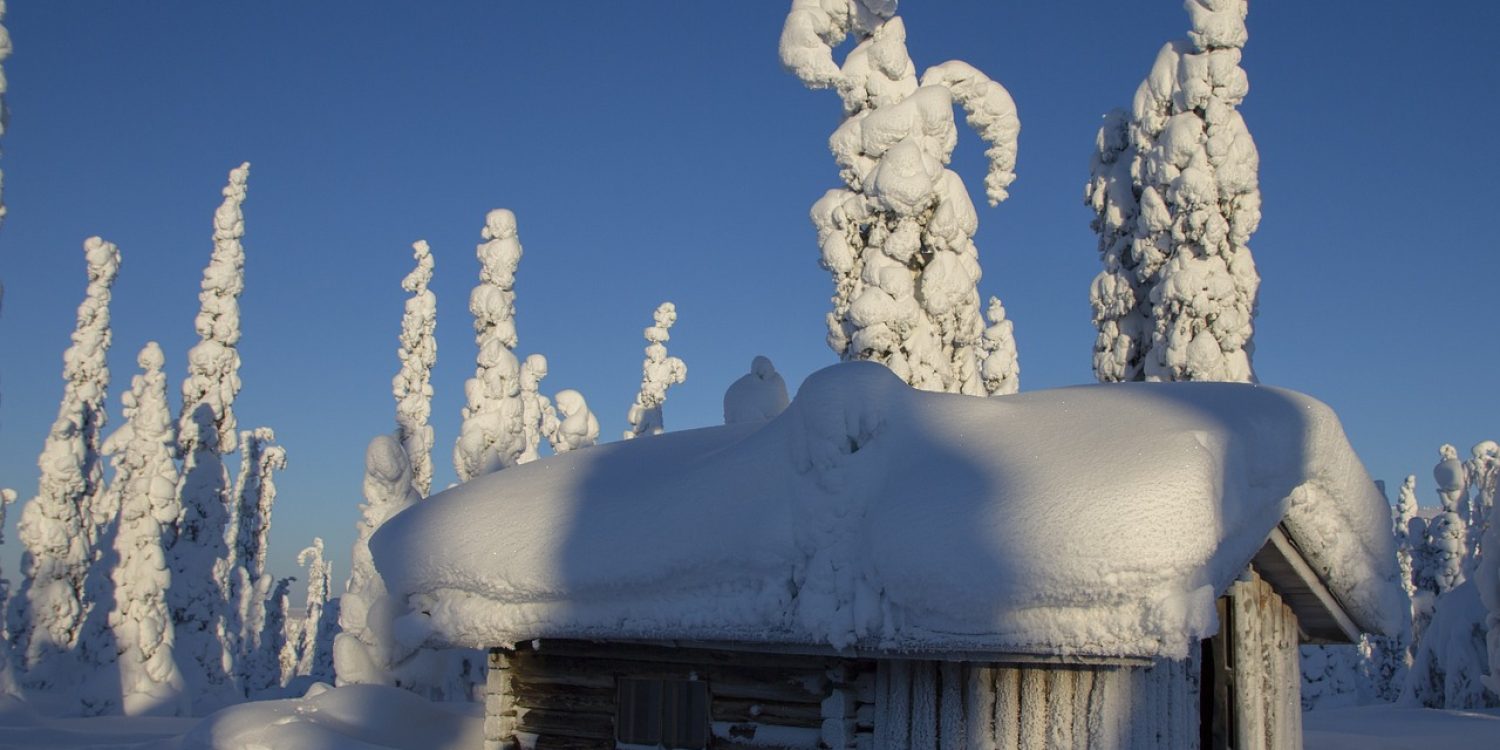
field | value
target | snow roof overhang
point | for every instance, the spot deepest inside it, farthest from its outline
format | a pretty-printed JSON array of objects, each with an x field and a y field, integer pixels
[{"x": 1321, "y": 618}]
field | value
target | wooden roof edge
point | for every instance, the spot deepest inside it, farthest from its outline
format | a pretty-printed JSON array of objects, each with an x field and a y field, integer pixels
[
  {"x": 827, "y": 651},
  {"x": 1281, "y": 544}
]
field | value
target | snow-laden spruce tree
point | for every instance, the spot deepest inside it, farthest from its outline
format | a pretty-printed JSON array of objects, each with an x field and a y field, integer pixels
[
  {"x": 1406, "y": 510},
  {"x": 570, "y": 425},
  {"x": 9, "y": 683},
  {"x": 1481, "y": 475},
  {"x": 756, "y": 396},
  {"x": 1487, "y": 571},
  {"x": 999, "y": 367},
  {"x": 56, "y": 527},
  {"x": 658, "y": 372},
  {"x": 898, "y": 238},
  {"x": 205, "y": 432},
  {"x": 255, "y": 495},
  {"x": 1176, "y": 196},
  {"x": 143, "y": 454},
  {"x": 276, "y": 661},
  {"x": 412, "y": 385},
  {"x": 491, "y": 436},
  {"x": 536, "y": 409},
  {"x": 364, "y": 650},
  {"x": 320, "y": 615},
  {"x": 1447, "y": 529}
]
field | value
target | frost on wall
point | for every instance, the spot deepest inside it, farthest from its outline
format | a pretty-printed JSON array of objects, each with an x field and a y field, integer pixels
[
  {"x": 491, "y": 437},
  {"x": 206, "y": 431},
  {"x": 658, "y": 372},
  {"x": 320, "y": 621},
  {"x": 570, "y": 425},
  {"x": 364, "y": 651},
  {"x": 898, "y": 238},
  {"x": 249, "y": 584},
  {"x": 412, "y": 386},
  {"x": 756, "y": 396},
  {"x": 1176, "y": 196},
  {"x": 145, "y": 485},
  {"x": 56, "y": 527}
]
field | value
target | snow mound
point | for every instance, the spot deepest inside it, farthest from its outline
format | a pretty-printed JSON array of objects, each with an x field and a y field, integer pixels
[{"x": 1095, "y": 520}]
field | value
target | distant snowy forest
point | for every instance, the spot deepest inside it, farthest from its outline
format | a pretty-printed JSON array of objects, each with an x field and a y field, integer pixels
[{"x": 144, "y": 588}]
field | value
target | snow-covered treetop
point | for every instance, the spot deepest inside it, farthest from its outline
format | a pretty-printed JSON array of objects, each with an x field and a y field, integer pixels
[
  {"x": 1088, "y": 520},
  {"x": 213, "y": 363},
  {"x": 491, "y": 436},
  {"x": 658, "y": 372},
  {"x": 755, "y": 397},
  {"x": 412, "y": 385}
]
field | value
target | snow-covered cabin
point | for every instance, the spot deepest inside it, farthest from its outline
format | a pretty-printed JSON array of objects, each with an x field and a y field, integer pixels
[{"x": 1127, "y": 565}]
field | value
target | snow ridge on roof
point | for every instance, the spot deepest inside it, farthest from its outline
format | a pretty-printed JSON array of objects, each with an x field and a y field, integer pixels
[{"x": 1096, "y": 520}]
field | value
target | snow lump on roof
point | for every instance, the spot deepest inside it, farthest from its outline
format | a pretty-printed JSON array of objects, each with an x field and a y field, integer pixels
[{"x": 1096, "y": 520}]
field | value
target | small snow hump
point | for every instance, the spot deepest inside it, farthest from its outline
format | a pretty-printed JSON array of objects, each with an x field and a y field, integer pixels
[{"x": 755, "y": 397}]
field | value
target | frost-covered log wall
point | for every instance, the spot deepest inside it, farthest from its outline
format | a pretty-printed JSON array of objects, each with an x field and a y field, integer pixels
[{"x": 1267, "y": 682}]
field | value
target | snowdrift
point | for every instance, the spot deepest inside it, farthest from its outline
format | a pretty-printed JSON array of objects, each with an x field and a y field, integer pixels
[{"x": 1094, "y": 520}]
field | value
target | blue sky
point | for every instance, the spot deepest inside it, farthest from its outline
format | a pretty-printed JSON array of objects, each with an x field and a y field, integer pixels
[{"x": 656, "y": 151}]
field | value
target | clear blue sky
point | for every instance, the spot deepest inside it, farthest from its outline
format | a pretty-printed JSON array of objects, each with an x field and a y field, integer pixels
[{"x": 656, "y": 151}]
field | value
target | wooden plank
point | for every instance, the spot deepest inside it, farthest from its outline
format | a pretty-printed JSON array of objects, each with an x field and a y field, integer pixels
[
  {"x": 1033, "y": 724},
  {"x": 770, "y": 683},
  {"x": 1059, "y": 684},
  {"x": 1292, "y": 686},
  {"x": 694, "y": 654},
  {"x": 881, "y": 737},
  {"x": 761, "y": 736},
  {"x": 765, "y": 712},
  {"x": 555, "y": 742},
  {"x": 979, "y": 707},
  {"x": 1249, "y": 668},
  {"x": 563, "y": 724},
  {"x": 1083, "y": 687},
  {"x": 1007, "y": 708},
  {"x": 952, "y": 679},
  {"x": 565, "y": 698},
  {"x": 896, "y": 722},
  {"x": 924, "y": 706}
]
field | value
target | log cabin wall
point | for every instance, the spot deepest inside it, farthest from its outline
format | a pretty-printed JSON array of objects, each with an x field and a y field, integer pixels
[{"x": 1265, "y": 671}]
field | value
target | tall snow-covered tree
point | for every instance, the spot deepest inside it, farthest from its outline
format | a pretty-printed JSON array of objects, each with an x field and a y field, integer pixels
[
  {"x": 1487, "y": 570},
  {"x": 898, "y": 238},
  {"x": 1481, "y": 475},
  {"x": 1447, "y": 529},
  {"x": 143, "y": 454},
  {"x": 491, "y": 436},
  {"x": 999, "y": 367},
  {"x": 276, "y": 660},
  {"x": 364, "y": 650},
  {"x": 1176, "y": 196},
  {"x": 756, "y": 396},
  {"x": 571, "y": 425},
  {"x": 9, "y": 685},
  {"x": 56, "y": 527},
  {"x": 206, "y": 432},
  {"x": 412, "y": 385},
  {"x": 1406, "y": 510},
  {"x": 255, "y": 495},
  {"x": 658, "y": 372},
  {"x": 320, "y": 618}
]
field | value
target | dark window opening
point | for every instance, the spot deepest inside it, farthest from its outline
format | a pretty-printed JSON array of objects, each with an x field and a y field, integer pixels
[{"x": 662, "y": 713}]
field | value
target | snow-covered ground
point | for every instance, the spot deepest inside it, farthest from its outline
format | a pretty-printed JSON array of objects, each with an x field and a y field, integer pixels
[{"x": 366, "y": 718}]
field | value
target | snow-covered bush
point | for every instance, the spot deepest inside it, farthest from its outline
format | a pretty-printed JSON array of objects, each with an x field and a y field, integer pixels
[
  {"x": 1175, "y": 193},
  {"x": 571, "y": 425},
  {"x": 999, "y": 367},
  {"x": 206, "y": 431},
  {"x": 412, "y": 385},
  {"x": 145, "y": 486},
  {"x": 57, "y": 527},
  {"x": 658, "y": 372},
  {"x": 757, "y": 396},
  {"x": 898, "y": 238},
  {"x": 492, "y": 437}
]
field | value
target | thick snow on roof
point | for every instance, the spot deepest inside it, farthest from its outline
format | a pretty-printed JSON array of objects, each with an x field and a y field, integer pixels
[{"x": 1094, "y": 520}]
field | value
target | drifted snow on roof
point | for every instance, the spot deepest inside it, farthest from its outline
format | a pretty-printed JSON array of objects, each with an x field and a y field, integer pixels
[{"x": 1095, "y": 520}]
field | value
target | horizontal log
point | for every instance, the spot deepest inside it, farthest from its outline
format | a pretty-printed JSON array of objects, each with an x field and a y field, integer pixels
[
  {"x": 553, "y": 742},
  {"x": 685, "y": 655},
  {"x": 780, "y": 714},
  {"x": 748, "y": 735},
  {"x": 563, "y": 724},
  {"x": 767, "y": 682},
  {"x": 565, "y": 698}
]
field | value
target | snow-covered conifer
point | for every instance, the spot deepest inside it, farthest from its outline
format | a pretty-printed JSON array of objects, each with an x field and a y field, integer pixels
[
  {"x": 658, "y": 372},
  {"x": 1175, "y": 192},
  {"x": 535, "y": 408},
  {"x": 999, "y": 367},
  {"x": 1447, "y": 530},
  {"x": 491, "y": 436},
  {"x": 363, "y": 651},
  {"x": 9, "y": 685},
  {"x": 277, "y": 661},
  {"x": 255, "y": 494},
  {"x": 571, "y": 426},
  {"x": 57, "y": 526},
  {"x": 1406, "y": 510},
  {"x": 320, "y": 618},
  {"x": 206, "y": 431},
  {"x": 756, "y": 396},
  {"x": 898, "y": 238},
  {"x": 145, "y": 485},
  {"x": 412, "y": 385},
  {"x": 1481, "y": 474}
]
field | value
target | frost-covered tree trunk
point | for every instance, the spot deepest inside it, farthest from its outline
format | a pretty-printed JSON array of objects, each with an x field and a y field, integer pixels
[
  {"x": 491, "y": 436},
  {"x": 320, "y": 623},
  {"x": 364, "y": 650},
  {"x": 255, "y": 494},
  {"x": 412, "y": 385},
  {"x": 571, "y": 425},
  {"x": 145, "y": 484},
  {"x": 898, "y": 238},
  {"x": 57, "y": 527},
  {"x": 206, "y": 432},
  {"x": 658, "y": 372},
  {"x": 1176, "y": 196}
]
